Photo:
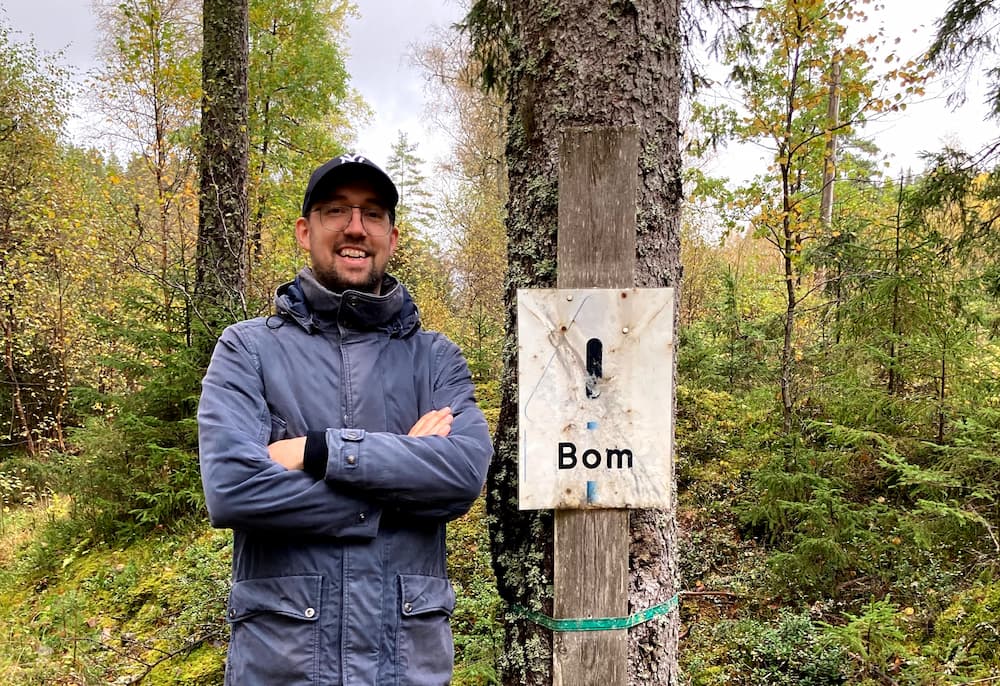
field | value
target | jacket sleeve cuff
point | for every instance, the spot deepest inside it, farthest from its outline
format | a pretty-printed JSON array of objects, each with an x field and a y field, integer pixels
[{"x": 315, "y": 457}]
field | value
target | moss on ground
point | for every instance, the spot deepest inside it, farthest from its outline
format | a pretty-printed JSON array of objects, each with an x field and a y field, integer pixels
[
  {"x": 83, "y": 614},
  {"x": 152, "y": 612}
]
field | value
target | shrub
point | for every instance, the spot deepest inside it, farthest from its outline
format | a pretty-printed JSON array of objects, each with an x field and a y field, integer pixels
[
  {"x": 476, "y": 621},
  {"x": 789, "y": 652},
  {"x": 801, "y": 506},
  {"x": 875, "y": 640},
  {"x": 132, "y": 474},
  {"x": 134, "y": 466}
]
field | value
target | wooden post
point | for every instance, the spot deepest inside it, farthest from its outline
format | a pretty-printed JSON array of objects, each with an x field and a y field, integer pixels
[{"x": 598, "y": 171}]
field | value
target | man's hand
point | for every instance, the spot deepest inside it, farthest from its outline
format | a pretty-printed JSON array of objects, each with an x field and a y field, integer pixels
[
  {"x": 434, "y": 423},
  {"x": 288, "y": 453}
]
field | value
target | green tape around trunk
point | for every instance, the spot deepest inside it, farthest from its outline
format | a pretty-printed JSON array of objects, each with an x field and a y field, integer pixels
[{"x": 600, "y": 623}]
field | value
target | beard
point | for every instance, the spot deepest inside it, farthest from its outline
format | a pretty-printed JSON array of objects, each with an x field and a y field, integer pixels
[{"x": 334, "y": 283}]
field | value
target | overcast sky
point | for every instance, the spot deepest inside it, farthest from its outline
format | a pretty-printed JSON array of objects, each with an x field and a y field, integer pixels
[
  {"x": 383, "y": 36},
  {"x": 380, "y": 40}
]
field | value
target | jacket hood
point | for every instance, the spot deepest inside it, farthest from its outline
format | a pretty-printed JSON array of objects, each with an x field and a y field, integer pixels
[{"x": 306, "y": 302}]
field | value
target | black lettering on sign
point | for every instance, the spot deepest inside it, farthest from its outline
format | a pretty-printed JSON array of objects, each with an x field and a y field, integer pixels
[
  {"x": 591, "y": 459},
  {"x": 613, "y": 458},
  {"x": 622, "y": 455},
  {"x": 567, "y": 456}
]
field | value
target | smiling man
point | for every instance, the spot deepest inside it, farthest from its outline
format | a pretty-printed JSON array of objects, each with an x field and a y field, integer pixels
[
  {"x": 348, "y": 224},
  {"x": 337, "y": 437}
]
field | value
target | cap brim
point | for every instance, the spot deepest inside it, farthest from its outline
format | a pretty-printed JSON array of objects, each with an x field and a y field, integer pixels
[{"x": 355, "y": 171}]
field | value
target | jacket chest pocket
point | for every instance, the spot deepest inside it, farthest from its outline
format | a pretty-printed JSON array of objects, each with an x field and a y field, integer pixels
[
  {"x": 424, "y": 643},
  {"x": 275, "y": 632}
]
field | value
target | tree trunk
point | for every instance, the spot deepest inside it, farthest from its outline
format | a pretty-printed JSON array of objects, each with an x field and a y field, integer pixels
[
  {"x": 222, "y": 221},
  {"x": 625, "y": 73},
  {"x": 897, "y": 265},
  {"x": 941, "y": 392},
  {"x": 9, "y": 325},
  {"x": 789, "y": 243}
]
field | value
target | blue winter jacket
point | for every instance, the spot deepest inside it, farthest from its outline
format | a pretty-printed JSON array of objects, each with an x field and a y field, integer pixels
[{"x": 339, "y": 578}]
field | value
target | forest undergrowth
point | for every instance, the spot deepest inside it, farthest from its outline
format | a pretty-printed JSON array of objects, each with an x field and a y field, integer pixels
[
  {"x": 819, "y": 562},
  {"x": 815, "y": 562}
]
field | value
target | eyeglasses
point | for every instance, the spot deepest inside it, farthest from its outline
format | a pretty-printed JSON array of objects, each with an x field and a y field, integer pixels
[{"x": 375, "y": 220}]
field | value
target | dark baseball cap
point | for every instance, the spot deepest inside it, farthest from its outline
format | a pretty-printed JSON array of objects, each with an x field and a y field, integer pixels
[{"x": 346, "y": 168}]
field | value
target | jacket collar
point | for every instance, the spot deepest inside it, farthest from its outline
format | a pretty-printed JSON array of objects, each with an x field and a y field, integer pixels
[{"x": 311, "y": 306}]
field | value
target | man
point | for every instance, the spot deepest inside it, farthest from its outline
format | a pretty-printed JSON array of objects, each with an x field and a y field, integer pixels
[{"x": 336, "y": 438}]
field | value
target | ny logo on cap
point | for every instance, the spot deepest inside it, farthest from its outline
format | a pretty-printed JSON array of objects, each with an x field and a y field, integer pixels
[{"x": 353, "y": 158}]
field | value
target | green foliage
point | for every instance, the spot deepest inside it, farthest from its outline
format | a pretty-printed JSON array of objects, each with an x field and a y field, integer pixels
[
  {"x": 404, "y": 166},
  {"x": 720, "y": 434},
  {"x": 875, "y": 640},
  {"x": 800, "y": 505},
  {"x": 419, "y": 264},
  {"x": 861, "y": 502},
  {"x": 34, "y": 355},
  {"x": 488, "y": 398},
  {"x": 17, "y": 485},
  {"x": 302, "y": 112},
  {"x": 151, "y": 613},
  {"x": 966, "y": 636},
  {"x": 728, "y": 348},
  {"x": 135, "y": 467},
  {"x": 790, "y": 651},
  {"x": 951, "y": 513},
  {"x": 476, "y": 623},
  {"x": 733, "y": 331},
  {"x": 127, "y": 480},
  {"x": 477, "y": 263},
  {"x": 155, "y": 609},
  {"x": 876, "y": 507},
  {"x": 488, "y": 24},
  {"x": 419, "y": 260},
  {"x": 966, "y": 37},
  {"x": 148, "y": 82}
]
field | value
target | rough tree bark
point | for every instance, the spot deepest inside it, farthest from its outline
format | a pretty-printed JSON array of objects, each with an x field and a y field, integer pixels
[
  {"x": 222, "y": 220},
  {"x": 578, "y": 63}
]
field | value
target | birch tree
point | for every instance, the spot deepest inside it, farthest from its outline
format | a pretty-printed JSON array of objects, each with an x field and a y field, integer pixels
[{"x": 31, "y": 116}]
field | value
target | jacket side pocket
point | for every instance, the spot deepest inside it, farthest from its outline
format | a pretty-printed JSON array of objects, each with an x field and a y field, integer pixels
[
  {"x": 425, "y": 650},
  {"x": 275, "y": 631}
]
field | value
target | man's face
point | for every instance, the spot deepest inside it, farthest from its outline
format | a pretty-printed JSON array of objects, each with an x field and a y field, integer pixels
[{"x": 353, "y": 258}]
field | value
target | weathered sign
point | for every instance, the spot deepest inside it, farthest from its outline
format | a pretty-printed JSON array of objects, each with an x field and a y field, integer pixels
[{"x": 595, "y": 379}]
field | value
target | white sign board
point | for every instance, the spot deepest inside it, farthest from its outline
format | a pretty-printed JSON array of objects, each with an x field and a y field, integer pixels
[{"x": 595, "y": 399}]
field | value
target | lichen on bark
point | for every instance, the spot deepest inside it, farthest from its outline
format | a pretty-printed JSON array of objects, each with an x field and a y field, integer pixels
[{"x": 574, "y": 63}]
